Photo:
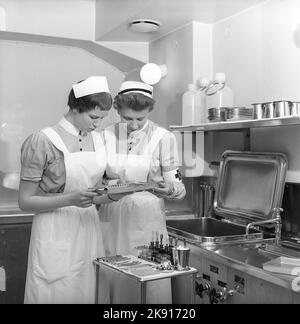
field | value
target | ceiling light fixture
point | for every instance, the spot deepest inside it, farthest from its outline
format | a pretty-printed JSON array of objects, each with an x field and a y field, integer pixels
[
  {"x": 144, "y": 25},
  {"x": 152, "y": 73}
]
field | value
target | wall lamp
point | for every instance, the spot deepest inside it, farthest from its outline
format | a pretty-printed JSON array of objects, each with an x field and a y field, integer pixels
[{"x": 152, "y": 73}]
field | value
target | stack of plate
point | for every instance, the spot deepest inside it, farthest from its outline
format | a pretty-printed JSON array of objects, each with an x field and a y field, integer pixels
[
  {"x": 239, "y": 113},
  {"x": 229, "y": 114},
  {"x": 214, "y": 114}
]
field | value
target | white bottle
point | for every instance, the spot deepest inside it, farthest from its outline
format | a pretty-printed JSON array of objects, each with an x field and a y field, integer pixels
[
  {"x": 218, "y": 94},
  {"x": 191, "y": 106},
  {"x": 203, "y": 84}
]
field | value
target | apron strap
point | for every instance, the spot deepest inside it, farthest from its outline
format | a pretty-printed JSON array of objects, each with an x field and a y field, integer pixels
[
  {"x": 156, "y": 137},
  {"x": 97, "y": 139},
  {"x": 55, "y": 139},
  {"x": 110, "y": 136}
]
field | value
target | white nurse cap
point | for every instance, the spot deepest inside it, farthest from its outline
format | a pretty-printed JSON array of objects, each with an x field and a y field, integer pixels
[
  {"x": 134, "y": 86},
  {"x": 91, "y": 85}
]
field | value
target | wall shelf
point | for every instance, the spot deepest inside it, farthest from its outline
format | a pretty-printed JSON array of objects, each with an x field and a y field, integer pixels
[
  {"x": 244, "y": 127},
  {"x": 239, "y": 124}
]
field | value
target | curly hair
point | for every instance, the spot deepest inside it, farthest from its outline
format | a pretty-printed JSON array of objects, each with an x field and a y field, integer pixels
[{"x": 133, "y": 100}]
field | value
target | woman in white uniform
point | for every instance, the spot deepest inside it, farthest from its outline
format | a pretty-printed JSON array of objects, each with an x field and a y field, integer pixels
[
  {"x": 59, "y": 165},
  {"x": 138, "y": 150}
]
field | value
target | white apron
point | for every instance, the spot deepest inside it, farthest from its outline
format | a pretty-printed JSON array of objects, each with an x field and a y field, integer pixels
[
  {"x": 64, "y": 242},
  {"x": 130, "y": 221}
]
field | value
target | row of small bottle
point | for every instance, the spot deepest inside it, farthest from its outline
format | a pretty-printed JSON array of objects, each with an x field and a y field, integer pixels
[
  {"x": 156, "y": 251},
  {"x": 205, "y": 95}
]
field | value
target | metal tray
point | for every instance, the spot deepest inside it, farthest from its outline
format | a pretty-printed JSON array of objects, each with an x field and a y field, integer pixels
[
  {"x": 250, "y": 185},
  {"x": 125, "y": 188},
  {"x": 210, "y": 230}
]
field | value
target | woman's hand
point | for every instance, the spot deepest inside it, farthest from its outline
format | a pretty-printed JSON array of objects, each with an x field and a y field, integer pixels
[
  {"x": 82, "y": 198},
  {"x": 164, "y": 190},
  {"x": 32, "y": 199},
  {"x": 117, "y": 197}
]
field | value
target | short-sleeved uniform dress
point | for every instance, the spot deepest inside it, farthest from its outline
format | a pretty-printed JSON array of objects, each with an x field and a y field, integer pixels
[
  {"x": 131, "y": 221},
  {"x": 64, "y": 241}
]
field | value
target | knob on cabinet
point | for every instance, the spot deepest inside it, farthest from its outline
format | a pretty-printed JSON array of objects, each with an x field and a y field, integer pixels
[
  {"x": 221, "y": 295},
  {"x": 202, "y": 288}
]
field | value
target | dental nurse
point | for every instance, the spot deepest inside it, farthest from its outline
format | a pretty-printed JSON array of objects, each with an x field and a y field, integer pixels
[
  {"x": 138, "y": 150},
  {"x": 59, "y": 165}
]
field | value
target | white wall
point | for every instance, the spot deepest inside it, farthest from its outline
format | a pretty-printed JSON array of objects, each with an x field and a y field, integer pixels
[
  {"x": 259, "y": 50},
  {"x": 69, "y": 18},
  {"x": 35, "y": 81},
  {"x": 2, "y": 19},
  {"x": 137, "y": 50},
  {"x": 186, "y": 60},
  {"x": 202, "y": 51}
]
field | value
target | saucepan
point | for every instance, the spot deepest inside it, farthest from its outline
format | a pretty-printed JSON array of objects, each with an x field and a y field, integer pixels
[{"x": 282, "y": 108}]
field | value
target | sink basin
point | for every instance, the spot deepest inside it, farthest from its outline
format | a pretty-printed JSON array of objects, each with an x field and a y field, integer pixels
[
  {"x": 211, "y": 231},
  {"x": 249, "y": 189}
]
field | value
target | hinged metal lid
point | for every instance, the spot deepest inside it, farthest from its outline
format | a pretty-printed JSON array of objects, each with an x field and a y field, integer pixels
[{"x": 250, "y": 184}]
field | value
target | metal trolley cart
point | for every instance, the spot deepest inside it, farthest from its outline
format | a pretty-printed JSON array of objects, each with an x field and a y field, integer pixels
[{"x": 143, "y": 272}]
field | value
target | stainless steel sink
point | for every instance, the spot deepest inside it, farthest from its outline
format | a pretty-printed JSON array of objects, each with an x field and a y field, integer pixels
[
  {"x": 249, "y": 191},
  {"x": 211, "y": 231}
]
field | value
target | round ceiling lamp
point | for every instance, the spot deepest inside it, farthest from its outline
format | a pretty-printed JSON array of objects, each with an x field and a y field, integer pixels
[
  {"x": 144, "y": 25},
  {"x": 152, "y": 73}
]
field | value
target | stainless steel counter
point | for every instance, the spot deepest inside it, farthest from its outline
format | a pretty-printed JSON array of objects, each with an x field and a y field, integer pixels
[
  {"x": 244, "y": 257},
  {"x": 15, "y": 216},
  {"x": 248, "y": 258}
]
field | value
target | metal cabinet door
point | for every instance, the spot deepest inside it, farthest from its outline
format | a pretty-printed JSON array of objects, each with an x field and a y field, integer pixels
[
  {"x": 256, "y": 291},
  {"x": 14, "y": 244}
]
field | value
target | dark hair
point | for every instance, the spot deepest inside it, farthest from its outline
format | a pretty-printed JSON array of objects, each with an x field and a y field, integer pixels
[
  {"x": 84, "y": 104},
  {"x": 134, "y": 100}
]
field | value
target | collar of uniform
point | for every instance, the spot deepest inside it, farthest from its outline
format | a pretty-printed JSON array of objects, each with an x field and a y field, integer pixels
[
  {"x": 67, "y": 126},
  {"x": 133, "y": 134}
]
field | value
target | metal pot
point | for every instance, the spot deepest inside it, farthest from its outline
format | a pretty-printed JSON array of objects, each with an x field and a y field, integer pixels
[
  {"x": 295, "y": 108},
  {"x": 282, "y": 108},
  {"x": 268, "y": 110},
  {"x": 258, "y": 110}
]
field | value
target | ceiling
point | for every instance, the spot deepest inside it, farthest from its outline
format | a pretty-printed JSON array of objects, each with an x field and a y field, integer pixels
[{"x": 113, "y": 16}]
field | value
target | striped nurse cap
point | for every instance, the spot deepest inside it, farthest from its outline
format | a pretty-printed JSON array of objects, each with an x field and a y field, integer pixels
[{"x": 134, "y": 86}]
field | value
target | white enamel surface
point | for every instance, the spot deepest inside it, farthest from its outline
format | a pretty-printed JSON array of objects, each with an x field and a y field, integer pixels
[
  {"x": 108, "y": 20},
  {"x": 171, "y": 13}
]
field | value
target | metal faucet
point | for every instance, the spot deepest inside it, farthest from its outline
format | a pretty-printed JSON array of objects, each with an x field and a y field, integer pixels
[{"x": 276, "y": 220}]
